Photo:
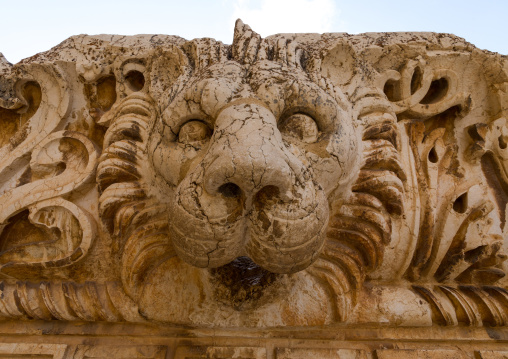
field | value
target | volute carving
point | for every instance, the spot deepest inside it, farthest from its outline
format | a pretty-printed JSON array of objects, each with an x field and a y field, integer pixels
[{"x": 293, "y": 180}]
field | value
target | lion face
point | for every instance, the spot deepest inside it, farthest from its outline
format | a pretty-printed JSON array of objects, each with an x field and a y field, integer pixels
[
  {"x": 248, "y": 160},
  {"x": 248, "y": 156}
]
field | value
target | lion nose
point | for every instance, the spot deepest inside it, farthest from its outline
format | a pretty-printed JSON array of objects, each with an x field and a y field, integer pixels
[{"x": 248, "y": 155}]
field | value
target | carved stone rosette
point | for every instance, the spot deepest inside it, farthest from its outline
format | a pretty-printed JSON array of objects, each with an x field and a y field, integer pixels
[{"x": 299, "y": 180}]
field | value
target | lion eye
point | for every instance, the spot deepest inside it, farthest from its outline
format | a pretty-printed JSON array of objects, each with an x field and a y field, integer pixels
[
  {"x": 194, "y": 131},
  {"x": 301, "y": 127}
]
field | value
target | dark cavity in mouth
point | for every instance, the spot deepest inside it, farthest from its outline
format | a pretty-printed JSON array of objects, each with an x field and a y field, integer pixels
[{"x": 242, "y": 281}]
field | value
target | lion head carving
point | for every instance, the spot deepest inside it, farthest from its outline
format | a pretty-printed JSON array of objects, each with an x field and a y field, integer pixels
[{"x": 254, "y": 184}]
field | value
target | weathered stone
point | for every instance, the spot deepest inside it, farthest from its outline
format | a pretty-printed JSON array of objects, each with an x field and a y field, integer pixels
[{"x": 295, "y": 196}]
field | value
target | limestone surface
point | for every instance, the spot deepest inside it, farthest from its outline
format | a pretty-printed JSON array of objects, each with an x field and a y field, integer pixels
[{"x": 295, "y": 196}]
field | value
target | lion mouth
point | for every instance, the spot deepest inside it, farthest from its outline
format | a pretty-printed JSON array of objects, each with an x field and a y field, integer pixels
[
  {"x": 241, "y": 282},
  {"x": 279, "y": 236}
]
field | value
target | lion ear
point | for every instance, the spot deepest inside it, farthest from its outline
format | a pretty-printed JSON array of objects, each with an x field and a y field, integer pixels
[
  {"x": 338, "y": 64},
  {"x": 166, "y": 69}
]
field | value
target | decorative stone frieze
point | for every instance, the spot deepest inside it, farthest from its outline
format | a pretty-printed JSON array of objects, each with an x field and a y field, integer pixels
[{"x": 326, "y": 183}]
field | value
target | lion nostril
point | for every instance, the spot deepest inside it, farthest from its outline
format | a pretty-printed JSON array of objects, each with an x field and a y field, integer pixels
[
  {"x": 267, "y": 195},
  {"x": 230, "y": 190}
]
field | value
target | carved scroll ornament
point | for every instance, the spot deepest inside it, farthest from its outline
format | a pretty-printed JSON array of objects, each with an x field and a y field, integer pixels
[{"x": 293, "y": 180}]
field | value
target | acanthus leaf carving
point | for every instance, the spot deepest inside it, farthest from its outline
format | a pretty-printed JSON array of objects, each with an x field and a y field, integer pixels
[
  {"x": 490, "y": 148},
  {"x": 419, "y": 92},
  {"x": 72, "y": 244},
  {"x": 54, "y": 106},
  {"x": 458, "y": 248},
  {"x": 61, "y": 163}
]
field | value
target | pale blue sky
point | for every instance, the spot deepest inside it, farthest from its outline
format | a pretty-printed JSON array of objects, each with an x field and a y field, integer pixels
[{"x": 29, "y": 26}]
